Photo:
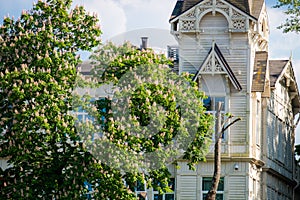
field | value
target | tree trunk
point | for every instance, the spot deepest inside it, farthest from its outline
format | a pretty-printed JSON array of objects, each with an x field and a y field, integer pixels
[{"x": 211, "y": 195}]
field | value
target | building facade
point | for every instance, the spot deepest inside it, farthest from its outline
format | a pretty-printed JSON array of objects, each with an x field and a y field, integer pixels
[{"x": 225, "y": 44}]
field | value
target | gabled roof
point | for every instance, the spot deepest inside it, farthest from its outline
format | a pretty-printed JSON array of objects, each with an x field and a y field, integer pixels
[
  {"x": 184, "y": 5},
  {"x": 178, "y": 9},
  {"x": 283, "y": 70},
  {"x": 256, "y": 8},
  {"x": 259, "y": 73},
  {"x": 215, "y": 56},
  {"x": 276, "y": 68}
]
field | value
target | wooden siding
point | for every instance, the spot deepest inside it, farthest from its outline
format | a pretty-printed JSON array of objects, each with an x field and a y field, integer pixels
[
  {"x": 189, "y": 183},
  {"x": 238, "y": 133},
  {"x": 213, "y": 23},
  {"x": 278, "y": 136},
  {"x": 277, "y": 189},
  {"x": 187, "y": 187},
  {"x": 190, "y": 55},
  {"x": 280, "y": 132},
  {"x": 237, "y": 186}
]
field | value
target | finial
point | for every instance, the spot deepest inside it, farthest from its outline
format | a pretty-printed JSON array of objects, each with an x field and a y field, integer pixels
[{"x": 291, "y": 56}]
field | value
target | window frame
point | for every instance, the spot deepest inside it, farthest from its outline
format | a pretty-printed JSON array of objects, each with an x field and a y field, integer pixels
[
  {"x": 219, "y": 191},
  {"x": 155, "y": 192},
  {"x": 258, "y": 123},
  {"x": 213, "y": 111},
  {"x": 138, "y": 192}
]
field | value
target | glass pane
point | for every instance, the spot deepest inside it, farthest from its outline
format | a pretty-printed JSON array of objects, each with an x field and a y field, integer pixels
[
  {"x": 219, "y": 197},
  {"x": 220, "y": 99},
  {"x": 139, "y": 186},
  {"x": 206, "y": 183},
  {"x": 169, "y": 197},
  {"x": 207, "y": 103},
  {"x": 156, "y": 183},
  {"x": 158, "y": 197},
  {"x": 221, "y": 184},
  {"x": 140, "y": 197},
  {"x": 80, "y": 118},
  {"x": 172, "y": 184}
]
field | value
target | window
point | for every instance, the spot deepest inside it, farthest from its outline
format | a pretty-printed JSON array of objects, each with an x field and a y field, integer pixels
[
  {"x": 82, "y": 114},
  {"x": 89, "y": 188},
  {"x": 102, "y": 105},
  {"x": 206, "y": 183},
  {"x": 258, "y": 123},
  {"x": 140, "y": 190},
  {"x": 166, "y": 196},
  {"x": 281, "y": 140},
  {"x": 211, "y": 105}
]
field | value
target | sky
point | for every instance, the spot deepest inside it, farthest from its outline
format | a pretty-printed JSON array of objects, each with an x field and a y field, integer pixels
[{"x": 131, "y": 19}]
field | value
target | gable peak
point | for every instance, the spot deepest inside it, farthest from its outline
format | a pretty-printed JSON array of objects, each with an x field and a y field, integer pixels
[{"x": 215, "y": 63}]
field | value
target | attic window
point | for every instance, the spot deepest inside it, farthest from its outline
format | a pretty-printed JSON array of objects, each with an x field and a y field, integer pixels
[
  {"x": 283, "y": 81},
  {"x": 264, "y": 28},
  {"x": 175, "y": 26}
]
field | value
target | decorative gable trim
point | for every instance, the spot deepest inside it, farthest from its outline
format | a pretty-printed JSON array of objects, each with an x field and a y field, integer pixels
[
  {"x": 286, "y": 74},
  {"x": 220, "y": 5},
  {"x": 215, "y": 63},
  {"x": 189, "y": 20}
]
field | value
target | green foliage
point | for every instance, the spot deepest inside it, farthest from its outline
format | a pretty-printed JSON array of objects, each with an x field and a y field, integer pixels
[
  {"x": 153, "y": 96},
  {"x": 111, "y": 62},
  {"x": 291, "y": 23},
  {"x": 38, "y": 70},
  {"x": 50, "y": 155}
]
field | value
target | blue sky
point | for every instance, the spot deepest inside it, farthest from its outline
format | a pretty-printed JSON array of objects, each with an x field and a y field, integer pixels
[{"x": 126, "y": 16}]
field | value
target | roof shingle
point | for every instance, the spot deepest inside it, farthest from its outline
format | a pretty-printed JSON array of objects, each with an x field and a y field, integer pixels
[
  {"x": 275, "y": 68},
  {"x": 184, "y": 5},
  {"x": 259, "y": 73}
]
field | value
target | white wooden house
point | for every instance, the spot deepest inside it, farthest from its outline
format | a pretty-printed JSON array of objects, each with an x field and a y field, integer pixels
[{"x": 225, "y": 44}]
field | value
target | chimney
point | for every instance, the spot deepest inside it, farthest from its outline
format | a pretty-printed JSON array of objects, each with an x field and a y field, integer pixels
[{"x": 144, "y": 43}]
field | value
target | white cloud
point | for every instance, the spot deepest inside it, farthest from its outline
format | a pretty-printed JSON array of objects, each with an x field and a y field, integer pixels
[
  {"x": 148, "y": 14},
  {"x": 111, "y": 14},
  {"x": 121, "y": 17}
]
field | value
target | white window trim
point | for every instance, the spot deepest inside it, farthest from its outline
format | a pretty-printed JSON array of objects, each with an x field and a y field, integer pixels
[{"x": 206, "y": 191}]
